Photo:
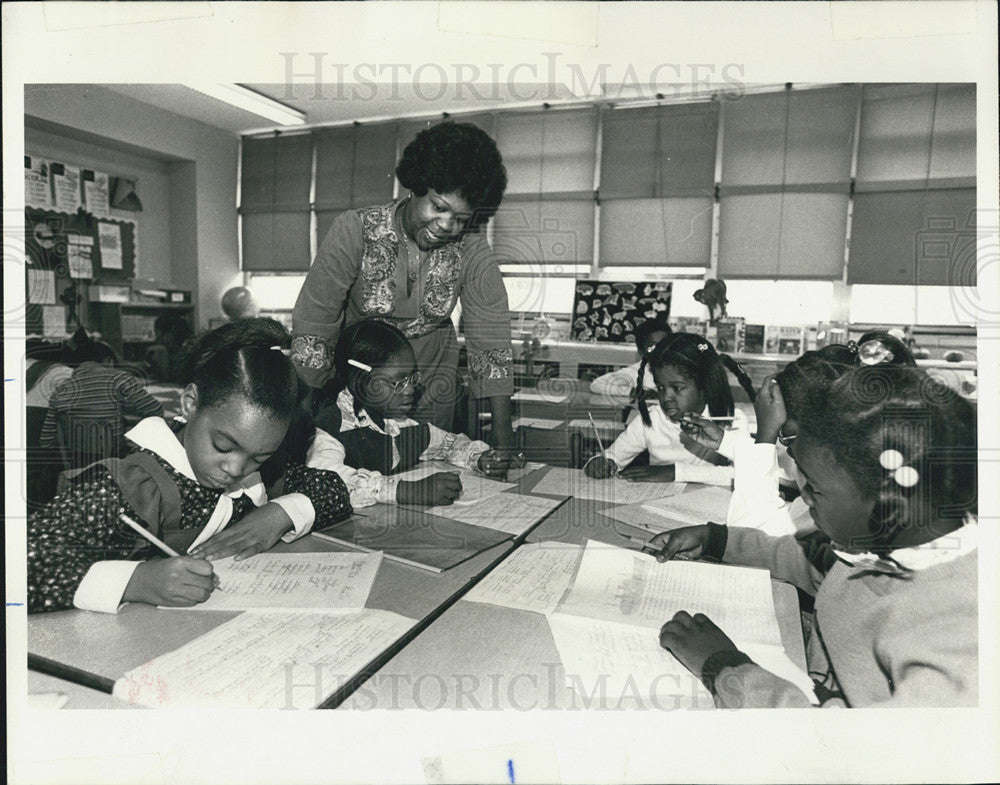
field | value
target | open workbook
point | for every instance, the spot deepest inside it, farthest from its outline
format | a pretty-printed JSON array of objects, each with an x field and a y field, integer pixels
[{"x": 605, "y": 606}]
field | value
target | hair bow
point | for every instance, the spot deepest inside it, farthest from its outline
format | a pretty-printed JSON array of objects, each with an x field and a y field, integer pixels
[{"x": 893, "y": 461}]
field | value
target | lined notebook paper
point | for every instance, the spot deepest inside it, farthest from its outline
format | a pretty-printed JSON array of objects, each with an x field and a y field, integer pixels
[
  {"x": 475, "y": 487},
  {"x": 533, "y": 578},
  {"x": 250, "y": 661},
  {"x": 506, "y": 512},
  {"x": 299, "y": 581}
]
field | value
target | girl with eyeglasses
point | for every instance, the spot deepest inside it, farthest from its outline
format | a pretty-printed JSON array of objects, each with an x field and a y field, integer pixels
[{"x": 365, "y": 431}]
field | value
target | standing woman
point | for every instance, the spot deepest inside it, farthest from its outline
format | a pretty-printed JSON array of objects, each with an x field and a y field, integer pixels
[{"x": 409, "y": 263}]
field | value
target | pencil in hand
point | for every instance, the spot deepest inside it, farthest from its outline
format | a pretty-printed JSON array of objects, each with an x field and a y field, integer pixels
[{"x": 152, "y": 538}]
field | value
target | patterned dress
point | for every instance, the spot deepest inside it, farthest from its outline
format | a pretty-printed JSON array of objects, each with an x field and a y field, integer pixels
[
  {"x": 82, "y": 525},
  {"x": 360, "y": 272}
]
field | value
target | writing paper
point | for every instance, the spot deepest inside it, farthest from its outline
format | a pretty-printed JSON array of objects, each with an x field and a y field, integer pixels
[
  {"x": 614, "y": 666},
  {"x": 505, "y": 512},
  {"x": 264, "y": 660},
  {"x": 301, "y": 581},
  {"x": 638, "y": 515},
  {"x": 542, "y": 396},
  {"x": 697, "y": 507},
  {"x": 37, "y": 192},
  {"x": 538, "y": 422},
  {"x": 516, "y": 475},
  {"x": 625, "y": 586},
  {"x": 475, "y": 487},
  {"x": 533, "y": 578},
  {"x": 41, "y": 286},
  {"x": 110, "y": 243},
  {"x": 66, "y": 187},
  {"x": 573, "y": 482}
]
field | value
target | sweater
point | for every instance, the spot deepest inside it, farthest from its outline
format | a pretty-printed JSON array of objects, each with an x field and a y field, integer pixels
[{"x": 897, "y": 632}]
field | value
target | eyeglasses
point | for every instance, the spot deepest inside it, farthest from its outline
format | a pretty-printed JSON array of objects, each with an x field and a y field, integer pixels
[
  {"x": 786, "y": 440},
  {"x": 401, "y": 384}
]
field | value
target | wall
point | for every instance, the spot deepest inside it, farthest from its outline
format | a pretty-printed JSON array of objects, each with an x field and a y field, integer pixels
[{"x": 193, "y": 169}]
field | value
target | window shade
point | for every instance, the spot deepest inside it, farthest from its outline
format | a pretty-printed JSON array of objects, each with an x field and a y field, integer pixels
[
  {"x": 276, "y": 173},
  {"x": 659, "y": 151},
  {"x": 276, "y": 241},
  {"x": 355, "y": 165},
  {"x": 544, "y": 232},
  {"x": 925, "y": 237},
  {"x": 549, "y": 152},
  {"x": 662, "y": 232}
]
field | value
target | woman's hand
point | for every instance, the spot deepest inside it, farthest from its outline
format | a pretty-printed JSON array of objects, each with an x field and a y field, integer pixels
[
  {"x": 179, "y": 582},
  {"x": 693, "y": 639},
  {"x": 701, "y": 431},
  {"x": 769, "y": 407},
  {"x": 687, "y": 542},
  {"x": 649, "y": 473},
  {"x": 600, "y": 468},
  {"x": 437, "y": 489},
  {"x": 494, "y": 463},
  {"x": 258, "y": 531}
]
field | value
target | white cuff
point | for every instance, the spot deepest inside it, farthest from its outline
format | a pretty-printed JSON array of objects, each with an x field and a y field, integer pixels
[
  {"x": 707, "y": 474},
  {"x": 300, "y": 509},
  {"x": 104, "y": 585},
  {"x": 387, "y": 493}
]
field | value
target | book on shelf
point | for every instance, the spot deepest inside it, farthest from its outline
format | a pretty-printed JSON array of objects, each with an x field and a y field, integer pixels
[
  {"x": 729, "y": 334},
  {"x": 753, "y": 339},
  {"x": 785, "y": 339}
]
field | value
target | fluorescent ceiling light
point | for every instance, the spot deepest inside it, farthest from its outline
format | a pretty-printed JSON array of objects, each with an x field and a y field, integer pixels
[{"x": 251, "y": 101}]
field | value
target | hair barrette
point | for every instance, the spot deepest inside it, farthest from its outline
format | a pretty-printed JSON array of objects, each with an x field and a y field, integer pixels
[
  {"x": 852, "y": 347},
  {"x": 874, "y": 352},
  {"x": 286, "y": 352},
  {"x": 703, "y": 347},
  {"x": 360, "y": 365},
  {"x": 893, "y": 461}
]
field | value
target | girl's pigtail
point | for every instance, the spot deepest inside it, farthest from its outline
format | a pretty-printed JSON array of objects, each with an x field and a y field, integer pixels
[
  {"x": 640, "y": 390},
  {"x": 741, "y": 375}
]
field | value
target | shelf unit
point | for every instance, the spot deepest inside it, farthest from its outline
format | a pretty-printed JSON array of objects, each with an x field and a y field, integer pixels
[{"x": 117, "y": 323}]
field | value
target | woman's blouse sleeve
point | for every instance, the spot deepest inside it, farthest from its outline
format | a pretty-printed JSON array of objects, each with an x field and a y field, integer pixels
[
  {"x": 486, "y": 322},
  {"x": 455, "y": 448},
  {"x": 77, "y": 530},
  {"x": 319, "y": 309},
  {"x": 325, "y": 489}
]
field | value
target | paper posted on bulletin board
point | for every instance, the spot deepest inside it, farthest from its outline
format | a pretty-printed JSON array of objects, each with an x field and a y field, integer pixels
[{"x": 610, "y": 311}]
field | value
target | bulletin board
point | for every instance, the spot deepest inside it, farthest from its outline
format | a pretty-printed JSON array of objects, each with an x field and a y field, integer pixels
[{"x": 606, "y": 311}]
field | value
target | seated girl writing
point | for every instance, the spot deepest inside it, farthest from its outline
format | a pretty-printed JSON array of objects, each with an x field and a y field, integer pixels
[
  {"x": 367, "y": 435},
  {"x": 193, "y": 484},
  {"x": 690, "y": 377}
]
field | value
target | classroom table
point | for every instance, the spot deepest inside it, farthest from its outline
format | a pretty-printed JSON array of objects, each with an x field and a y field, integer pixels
[
  {"x": 481, "y": 656},
  {"x": 464, "y": 659}
]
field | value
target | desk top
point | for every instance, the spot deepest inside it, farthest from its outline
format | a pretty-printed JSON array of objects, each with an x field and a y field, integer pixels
[{"x": 463, "y": 659}]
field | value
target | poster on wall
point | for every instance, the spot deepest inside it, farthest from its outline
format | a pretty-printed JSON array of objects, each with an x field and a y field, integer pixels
[
  {"x": 36, "y": 182},
  {"x": 95, "y": 192},
  {"x": 611, "y": 310},
  {"x": 78, "y": 253},
  {"x": 65, "y": 187}
]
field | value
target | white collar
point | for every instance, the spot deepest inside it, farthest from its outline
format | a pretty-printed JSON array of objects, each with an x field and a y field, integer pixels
[
  {"x": 361, "y": 419},
  {"x": 942, "y": 550},
  {"x": 154, "y": 434}
]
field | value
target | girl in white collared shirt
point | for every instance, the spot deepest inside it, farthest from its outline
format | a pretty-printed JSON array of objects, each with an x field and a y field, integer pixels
[{"x": 690, "y": 378}]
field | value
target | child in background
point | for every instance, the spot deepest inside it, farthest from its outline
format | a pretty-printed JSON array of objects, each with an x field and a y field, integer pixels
[
  {"x": 87, "y": 413},
  {"x": 185, "y": 484},
  {"x": 889, "y": 462},
  {"x": 162, "y": 358},
  {"x": 690, "y": 377},
  {"x": 622, "y": 383},
  {"x": 366, "y": 434}
]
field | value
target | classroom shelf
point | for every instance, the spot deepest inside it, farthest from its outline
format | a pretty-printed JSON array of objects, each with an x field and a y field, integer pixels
[{"x": 117, "y": 323}]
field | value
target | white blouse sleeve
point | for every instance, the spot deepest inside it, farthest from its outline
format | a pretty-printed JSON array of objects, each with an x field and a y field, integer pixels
[{"x": 366, "y": 487}]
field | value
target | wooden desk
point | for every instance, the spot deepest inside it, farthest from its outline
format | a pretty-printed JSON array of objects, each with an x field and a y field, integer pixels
[{"x": 480, "y": 656}]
